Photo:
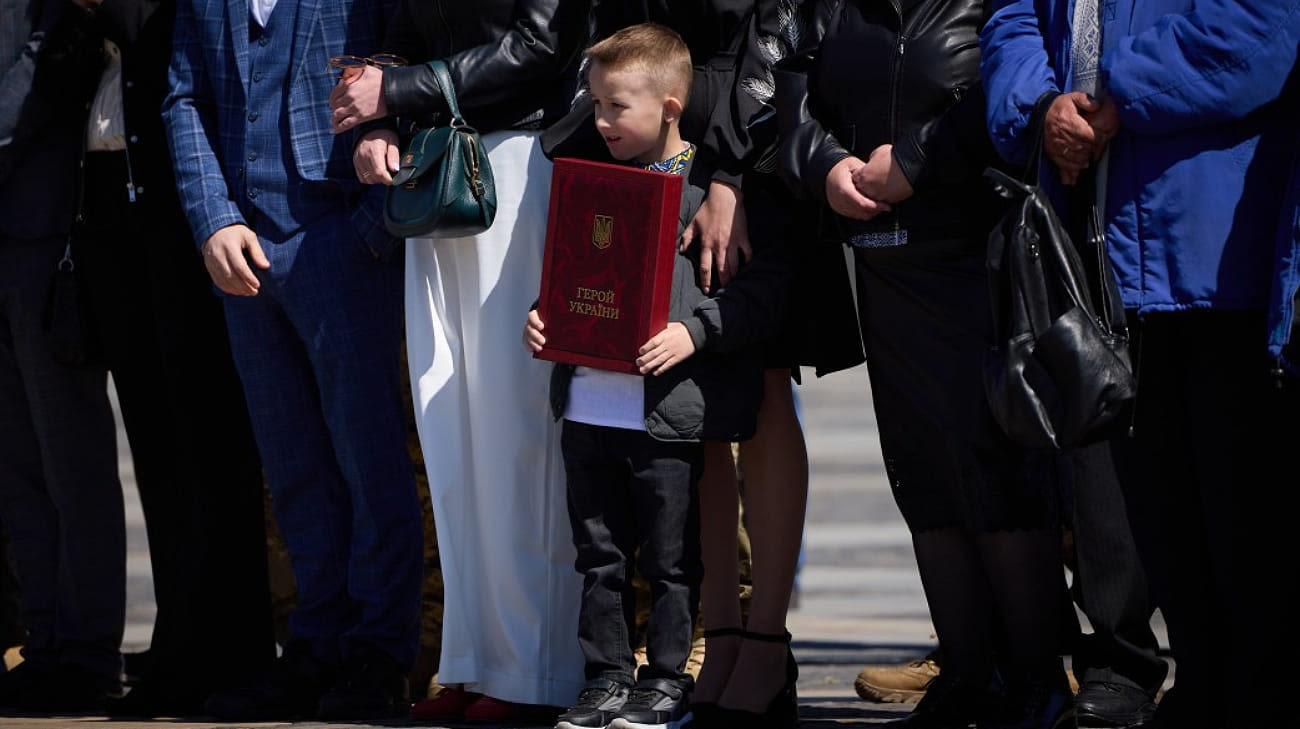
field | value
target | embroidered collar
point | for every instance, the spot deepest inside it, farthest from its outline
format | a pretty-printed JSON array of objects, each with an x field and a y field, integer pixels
[{"x": 674, "y": 164}]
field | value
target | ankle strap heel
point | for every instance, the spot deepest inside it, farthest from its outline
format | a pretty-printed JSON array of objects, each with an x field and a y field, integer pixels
[
  {"x": 782, "y": 637},
  {"x": 725, "y": 632}
]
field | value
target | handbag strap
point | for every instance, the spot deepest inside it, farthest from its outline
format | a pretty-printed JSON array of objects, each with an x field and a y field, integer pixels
[
  {"x": 1036, "y": 124},
  {"x": 443, "y": 76}
]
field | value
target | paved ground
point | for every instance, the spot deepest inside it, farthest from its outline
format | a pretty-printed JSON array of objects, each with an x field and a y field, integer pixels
[{"x": 860, "y": 600}]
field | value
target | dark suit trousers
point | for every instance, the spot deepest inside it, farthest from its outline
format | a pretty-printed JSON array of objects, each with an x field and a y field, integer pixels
[
  {"x": 1208, "y": 492},
  {"x": 60, "y": 497},
  {"x": 1108, "y": 582},
  {"x": 196, "y": 463}
]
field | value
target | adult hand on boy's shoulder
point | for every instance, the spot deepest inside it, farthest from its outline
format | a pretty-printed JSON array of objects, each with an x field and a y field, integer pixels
[
  {"x": 665, "y": 349},
  {"x": 720, "y": 226},
  {"x": 533, "y": 338}
]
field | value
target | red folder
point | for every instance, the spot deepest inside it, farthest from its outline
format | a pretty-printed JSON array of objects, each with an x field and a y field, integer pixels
[{"x": 611, "y": 237}]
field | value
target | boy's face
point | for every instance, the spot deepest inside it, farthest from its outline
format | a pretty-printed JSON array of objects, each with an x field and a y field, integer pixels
[{"x": 629, "y": 112}]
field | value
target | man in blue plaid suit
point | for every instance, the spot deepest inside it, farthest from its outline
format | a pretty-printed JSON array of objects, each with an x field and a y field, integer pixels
[{"x": 313, "y": 300}]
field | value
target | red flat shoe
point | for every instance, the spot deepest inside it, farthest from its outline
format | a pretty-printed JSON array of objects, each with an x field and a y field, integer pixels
[
  {"x": 449, "y": 703},
  {"x": 487, "y": 710}
]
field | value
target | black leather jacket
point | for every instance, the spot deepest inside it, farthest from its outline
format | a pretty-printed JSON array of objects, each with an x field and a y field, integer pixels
[
  {"x": 513, "y": 62},
  {"x": 901, "y": 72}
]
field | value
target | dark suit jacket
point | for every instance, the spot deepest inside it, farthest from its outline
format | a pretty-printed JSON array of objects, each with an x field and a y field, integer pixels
[{"x": 48, "y": 63}]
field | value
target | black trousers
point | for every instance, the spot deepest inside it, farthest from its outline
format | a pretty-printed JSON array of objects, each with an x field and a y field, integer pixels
[
  {"x": 60, "y": 498},
  {"x": 196, "y": 465},
  {"x": 1207, "y": 487},
  {"x": 634, "y": 503},
  {"x": 1107, "y": 580}
]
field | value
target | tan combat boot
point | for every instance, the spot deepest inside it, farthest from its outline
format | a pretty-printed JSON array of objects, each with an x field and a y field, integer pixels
[{"x": 903, "y": 684}]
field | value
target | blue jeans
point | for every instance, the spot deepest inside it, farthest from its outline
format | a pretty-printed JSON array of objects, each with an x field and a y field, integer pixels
[
  {"x": 634, "y": 502},
  {"x": 318, "y": 351}
]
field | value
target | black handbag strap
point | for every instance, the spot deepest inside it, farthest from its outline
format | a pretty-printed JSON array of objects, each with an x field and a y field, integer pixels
[
  {"x": 443, "y": 77},
  {"x": 1036, "y": 124}
]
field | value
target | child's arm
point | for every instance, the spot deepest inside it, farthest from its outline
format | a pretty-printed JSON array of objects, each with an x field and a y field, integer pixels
[
  {"x": 533, "y": 327},
  {"x": 665, "y": 349}
]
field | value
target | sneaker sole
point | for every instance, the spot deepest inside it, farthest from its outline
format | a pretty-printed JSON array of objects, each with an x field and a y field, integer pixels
[
  {"x": 567, "y": 725},
  {"x": 1137, "y": 718},
  {"x": 621, "y": 723}
]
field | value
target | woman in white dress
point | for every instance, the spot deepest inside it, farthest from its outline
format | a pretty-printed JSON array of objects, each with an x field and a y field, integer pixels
[{"x": 510, "y": 591}]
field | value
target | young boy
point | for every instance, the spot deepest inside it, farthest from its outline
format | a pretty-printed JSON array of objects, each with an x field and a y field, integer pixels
[{"x": 632, "y": 445}]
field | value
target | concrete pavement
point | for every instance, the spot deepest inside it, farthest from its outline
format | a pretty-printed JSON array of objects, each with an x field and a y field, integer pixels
[{"x": 859, "y": 602}]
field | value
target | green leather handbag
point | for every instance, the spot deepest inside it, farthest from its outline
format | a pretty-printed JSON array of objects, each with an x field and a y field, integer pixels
[{"x": 444, "y": 188}]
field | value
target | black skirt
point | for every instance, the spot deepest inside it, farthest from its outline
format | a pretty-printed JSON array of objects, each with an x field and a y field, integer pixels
[{"x": 926, "y": 324}]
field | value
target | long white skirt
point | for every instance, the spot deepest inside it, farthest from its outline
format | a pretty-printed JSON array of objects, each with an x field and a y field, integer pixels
[{"x": 510, "y": 616}]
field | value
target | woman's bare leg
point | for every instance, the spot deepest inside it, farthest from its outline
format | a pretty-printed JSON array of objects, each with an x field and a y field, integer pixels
[
  {"x": 775, "y": 464},
  {"x": 719, "y": 594}
]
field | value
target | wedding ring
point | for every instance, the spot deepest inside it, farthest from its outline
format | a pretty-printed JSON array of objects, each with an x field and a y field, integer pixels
[{"x": 365, "y": 175}]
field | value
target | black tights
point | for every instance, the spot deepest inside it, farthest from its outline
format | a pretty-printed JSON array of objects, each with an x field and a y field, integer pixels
[{"x": 995, "y": 599}]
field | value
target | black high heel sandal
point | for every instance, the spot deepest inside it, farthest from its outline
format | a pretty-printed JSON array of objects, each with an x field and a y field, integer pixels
[
  {"x": 782, "y": 711},
  {"x": 705, "y": 712}
]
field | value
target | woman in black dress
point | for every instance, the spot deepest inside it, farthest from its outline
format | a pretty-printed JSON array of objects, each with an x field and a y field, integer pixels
[{"x": 881, "y": 119}]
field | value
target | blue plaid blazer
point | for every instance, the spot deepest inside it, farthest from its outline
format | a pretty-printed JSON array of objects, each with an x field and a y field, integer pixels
[{"x": 204, "y": 111}]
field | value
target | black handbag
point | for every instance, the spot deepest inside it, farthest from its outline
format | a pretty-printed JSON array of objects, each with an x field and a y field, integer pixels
[
  {"x": 67, "y": 318},
  {"x": 444, "y": 188},
  {"x": 1060, "y": 373}
]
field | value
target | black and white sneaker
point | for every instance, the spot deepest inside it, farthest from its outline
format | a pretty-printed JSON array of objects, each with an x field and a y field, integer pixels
[
  {"x": 654, "y": 704},
  {"x": 596, "y": 706}
]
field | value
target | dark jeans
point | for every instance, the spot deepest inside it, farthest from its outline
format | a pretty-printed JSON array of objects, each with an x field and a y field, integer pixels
[
  {"x": 633, "y": 502},
  {"x": 60, "y": 497}
]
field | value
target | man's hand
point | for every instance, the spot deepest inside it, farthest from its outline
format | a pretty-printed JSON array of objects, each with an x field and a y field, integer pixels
[
  {"x": 1105, "y": 124},
  {"x": 720, "y": 226},
  {"x": 533, "y": 338},
  {"x": 881, "y": 178},
  {"x": 1069, "y": 141},
  {"x": 665, "y": 349},
  {"x": 358, "y": 100},
  {"x": 377, "y": 156},
  {"x": 224, "y": 255},
  {"x": 843, "y": 195}
]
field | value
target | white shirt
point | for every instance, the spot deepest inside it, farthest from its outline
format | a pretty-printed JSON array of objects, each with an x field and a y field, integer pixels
[
  {"x": 611, "y": 399},
  {"x": 106, "y": 131},
  {"x": 261, "y": 10}
]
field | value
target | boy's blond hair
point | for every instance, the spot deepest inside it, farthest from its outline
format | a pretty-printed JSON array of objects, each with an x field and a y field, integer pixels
[{"x": 649, "y": 48}]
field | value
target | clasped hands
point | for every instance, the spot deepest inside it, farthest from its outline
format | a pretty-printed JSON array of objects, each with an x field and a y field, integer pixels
[
  {"x": 864, "y": 189},
  {"x": 360, "y": 98},
  {"x": 1076, "y": 130}
]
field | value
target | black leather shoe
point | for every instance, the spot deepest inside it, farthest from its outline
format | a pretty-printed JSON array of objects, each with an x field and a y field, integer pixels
[
  {"x": 371, "y": 685},
  {"x": 1108, "y": 704},
  {"x": 150, "y": 698},
  {"x": 290, "y": 689},
  {"x": 63, "y": 689}
]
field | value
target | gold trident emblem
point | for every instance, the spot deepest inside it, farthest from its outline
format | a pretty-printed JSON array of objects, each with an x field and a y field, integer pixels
[{"x": 602, "y": 231}]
